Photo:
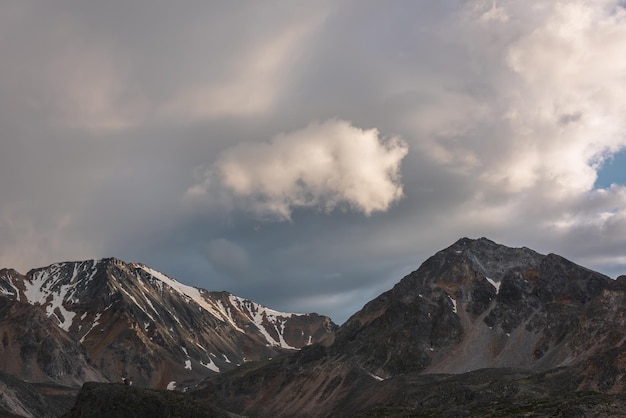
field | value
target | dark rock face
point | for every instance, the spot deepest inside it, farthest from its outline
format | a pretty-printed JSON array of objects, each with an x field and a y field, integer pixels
[
  {"x": 393, "y": 334},
  {"x": 34, "y": 348},
  {"x": 479, "y": 304},
  {"x": 19, "y": 398}
]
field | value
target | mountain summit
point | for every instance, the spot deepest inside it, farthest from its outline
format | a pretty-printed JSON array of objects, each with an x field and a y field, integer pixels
[{"x": 478, "y": 304}]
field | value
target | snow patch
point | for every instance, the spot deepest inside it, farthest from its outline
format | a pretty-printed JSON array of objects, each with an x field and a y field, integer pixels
[
  {"x": 263, "y": 317},
  {"x": 453, "y": 303},
  {"x": 191, "y": 292},
  {"x": 494, "y": 284},
  {"x": 188, "y": 364},
  {"x": 211, "y": 366},
  {"x": 4, "y": 291},
  {"x": 267, "y": 321},
  {"x": 171, "y": 385},
  {"x": 93, "y": 325},
  {"x": 376, "y": 377},
  {"x": 39, "y": 291}
]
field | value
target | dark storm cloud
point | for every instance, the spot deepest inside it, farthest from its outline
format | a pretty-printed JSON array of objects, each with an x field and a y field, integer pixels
[{"x": 110, "y": 112}]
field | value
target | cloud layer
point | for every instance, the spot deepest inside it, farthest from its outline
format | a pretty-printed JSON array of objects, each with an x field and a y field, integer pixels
[{"x": 171, "y": 133}]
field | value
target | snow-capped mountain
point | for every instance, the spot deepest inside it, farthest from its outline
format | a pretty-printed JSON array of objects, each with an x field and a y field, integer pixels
[{"x": 134, "y": 322}]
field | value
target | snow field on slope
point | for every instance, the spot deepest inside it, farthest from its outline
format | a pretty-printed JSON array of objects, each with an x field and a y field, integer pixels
[
  {"x": 258, "y": 312},
  {"x": 39, "y": 291},
  {"x": 189, "y": 291},
  {"x": 252, "y": 310}
]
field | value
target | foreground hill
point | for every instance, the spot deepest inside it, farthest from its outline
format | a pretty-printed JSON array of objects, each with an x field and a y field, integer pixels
[{"x": 544, "y": 326}]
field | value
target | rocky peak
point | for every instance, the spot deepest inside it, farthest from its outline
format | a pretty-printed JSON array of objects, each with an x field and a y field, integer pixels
[
  {"x": 482, "y": 257},
  {"x": 476, "y": 304}
]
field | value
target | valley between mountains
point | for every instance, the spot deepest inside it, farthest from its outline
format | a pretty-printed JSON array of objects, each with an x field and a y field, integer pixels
[{"x": 479, "y": 329}]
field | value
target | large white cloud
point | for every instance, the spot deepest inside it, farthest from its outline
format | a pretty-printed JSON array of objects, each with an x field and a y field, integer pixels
[
  {"x": 322, "y": 166},
  {"x": 567, "y": 108},
  {"x": 541, "y": 104},
  {"x": 553, "y": 97}
]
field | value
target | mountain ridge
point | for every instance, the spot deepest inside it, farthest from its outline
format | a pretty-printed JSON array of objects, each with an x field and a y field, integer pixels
[
  {"x": 106, "y": 320},
  {"x": 498, "y": 329}
]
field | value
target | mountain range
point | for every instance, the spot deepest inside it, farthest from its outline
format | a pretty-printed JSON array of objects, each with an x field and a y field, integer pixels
[
  {"x": 106, "y": 320},
  {"x": 479, "y": 329}
]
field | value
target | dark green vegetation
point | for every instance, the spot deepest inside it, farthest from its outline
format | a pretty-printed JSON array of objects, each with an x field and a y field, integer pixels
[
  {"x": 496, "y": 393},
  {"x": 115, "y": 400},
  {"x": 482, "y": 393}
]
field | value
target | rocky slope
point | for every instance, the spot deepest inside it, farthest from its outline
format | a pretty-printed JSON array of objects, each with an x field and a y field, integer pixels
[
  {"x": 35, "y": 349},
  {"x": 41, "y": 400},
  {"x": 476, "y": 305}
]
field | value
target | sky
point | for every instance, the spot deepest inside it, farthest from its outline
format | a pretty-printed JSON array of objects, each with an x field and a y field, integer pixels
[{"x": 307, "y": 155}]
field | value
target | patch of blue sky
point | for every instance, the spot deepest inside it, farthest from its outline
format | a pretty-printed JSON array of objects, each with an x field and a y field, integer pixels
[{"x": 612, "y": 171}]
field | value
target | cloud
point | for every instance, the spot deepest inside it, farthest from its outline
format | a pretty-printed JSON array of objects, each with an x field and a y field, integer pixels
[
  {"x": 566, "y": 104},
  {"x": 67, "y": 76},
  {"x": 322, "y": 166},
  {"x": 91, "y": 92},
  {"x": 228, "y": 257},
  {"x": 255, "y": 80},
  {"x": 538, "y": 108},
  {"x": 540, "y": 101},
  {"x": 530, "y": 107},
  {"x": 24, "y": 246},
  {"x": 570, "y": 101},
  {"x": 565, "y": 113}
]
